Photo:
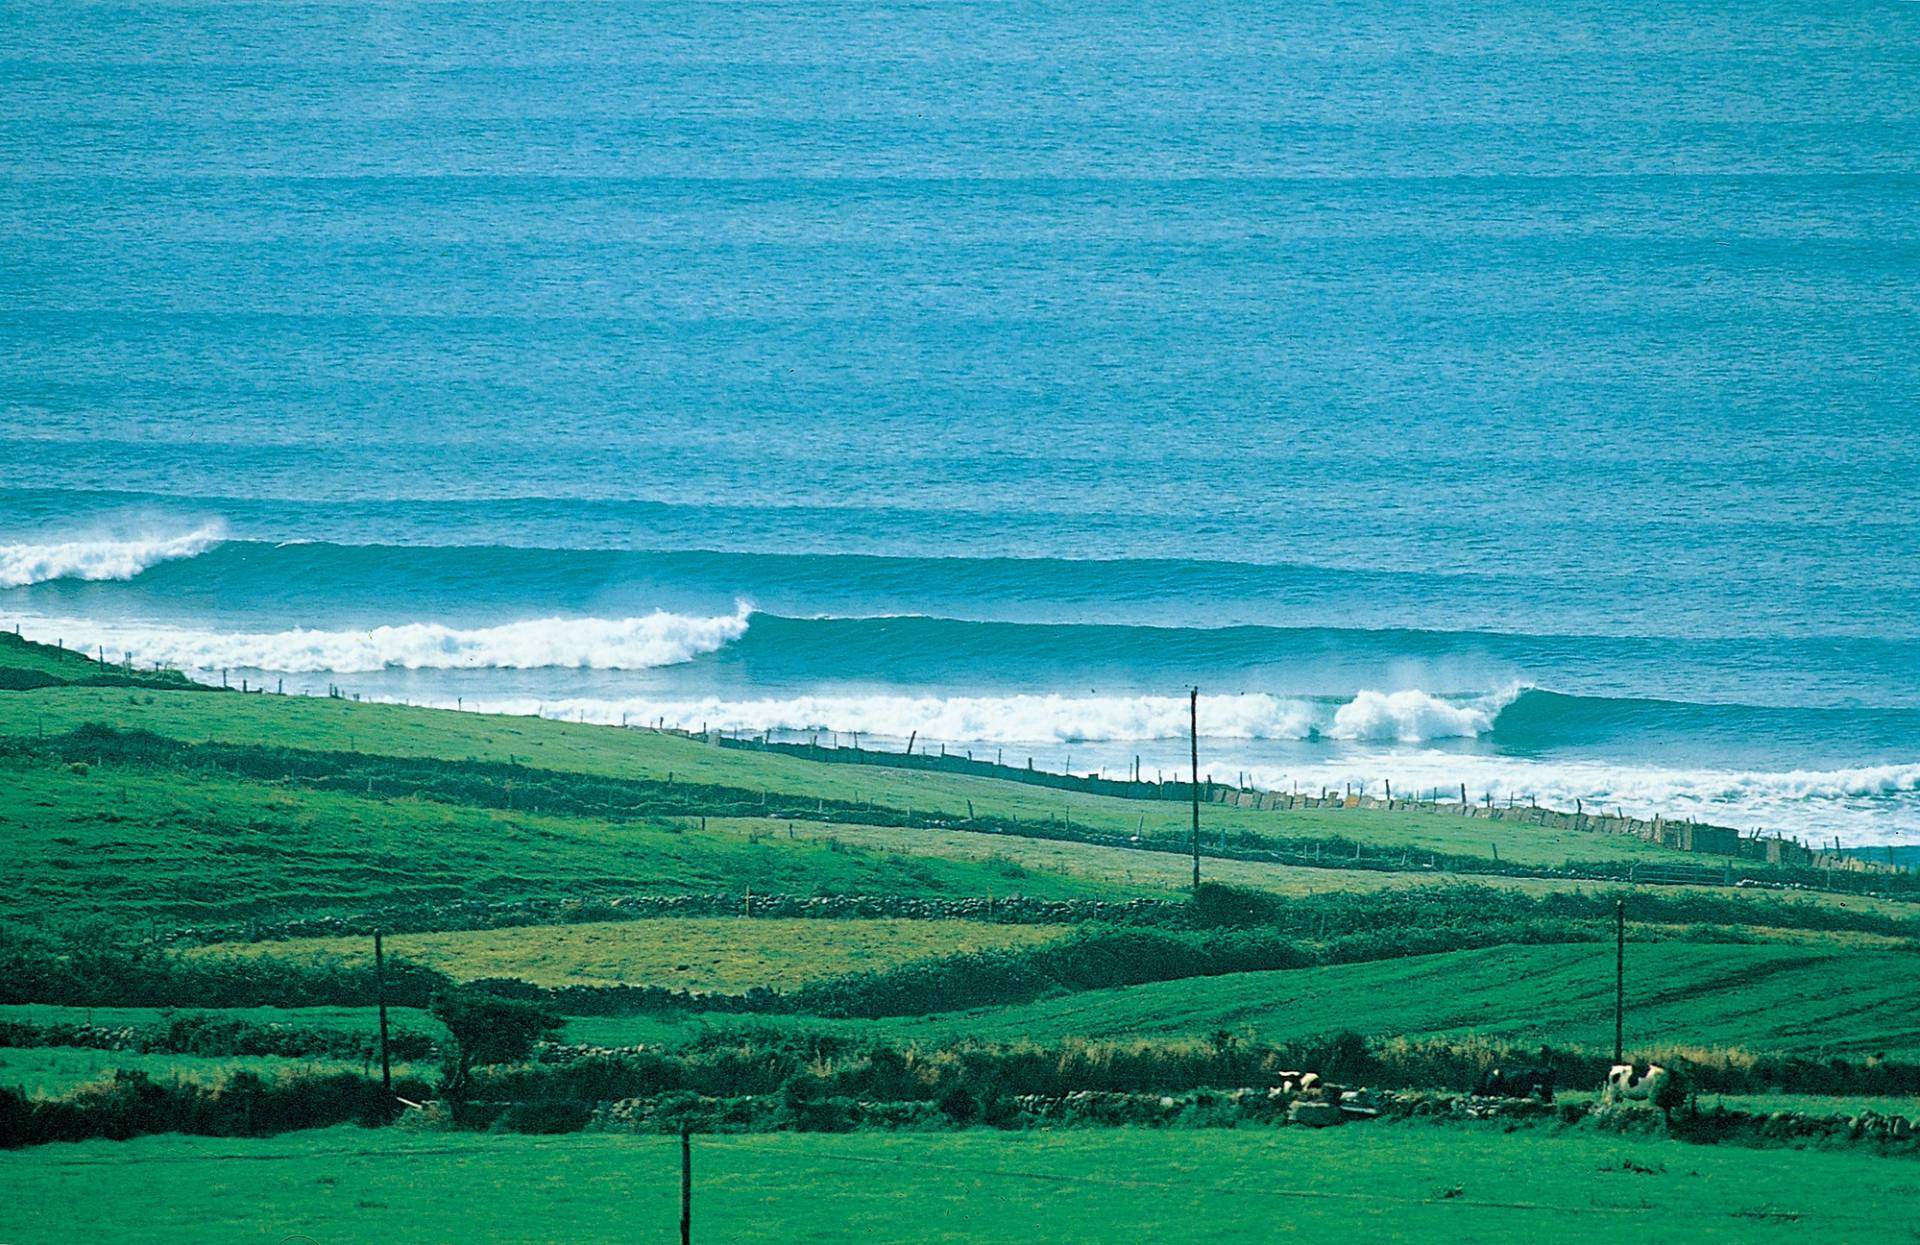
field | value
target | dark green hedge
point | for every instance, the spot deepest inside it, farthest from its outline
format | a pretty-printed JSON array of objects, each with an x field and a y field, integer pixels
[
  {"x": 208, "y": 1033},
  {"x": 37, "y": 968},
  {"x": 132, "y": 1104}
]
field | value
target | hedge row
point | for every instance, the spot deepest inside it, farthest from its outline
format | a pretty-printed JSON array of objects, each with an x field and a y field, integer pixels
[
  {"x": 1327, "y": 914},
  {"x": 205, "y": 1033},
  {"x": 36, "y": 968},
  {"x": 132, "y": 1104},
  {"x": 805, "y": 1081}
]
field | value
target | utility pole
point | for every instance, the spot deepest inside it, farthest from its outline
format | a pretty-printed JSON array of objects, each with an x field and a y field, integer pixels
[
  {"x": 686, "y": 1187},
  {"x": 1619, "y": 979},
  {"x": 380, "y": 991},
  {"x": 1193, "y": 707}
]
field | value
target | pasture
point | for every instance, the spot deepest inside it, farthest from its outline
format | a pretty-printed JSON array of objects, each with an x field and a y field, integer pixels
[
  {"x": 1786, "y": 998},
  {"x": 123, "y": 862},
  {"x": 134, "y": 846},
  {"x": 724, "y": 955},
  {"x": 397, "y": 730},
  {"x": 1414, "y": 1182}
]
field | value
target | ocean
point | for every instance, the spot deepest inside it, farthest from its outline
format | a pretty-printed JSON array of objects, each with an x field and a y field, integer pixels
[{"x": 1519, "y": 396}]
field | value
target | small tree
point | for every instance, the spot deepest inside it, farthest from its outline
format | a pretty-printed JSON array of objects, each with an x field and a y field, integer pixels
[{"x": 488, "y": 1029}]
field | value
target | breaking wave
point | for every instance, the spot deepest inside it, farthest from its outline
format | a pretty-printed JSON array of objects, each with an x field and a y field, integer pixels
[
  {"x": 657, "y": 639},
  {"x": 100, "y": 558},
  {"x": 1862, "y": 804},
  {"x": 1405, "y": 717},
  {"x": 1415, "y": 716}
]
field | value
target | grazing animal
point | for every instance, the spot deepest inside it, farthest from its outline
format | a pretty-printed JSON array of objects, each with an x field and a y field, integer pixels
[
  {"x": 1294, "y": 1084},
  {"x": 1628, "y": 1082},
  {"x": 1516, "y": 1083}
]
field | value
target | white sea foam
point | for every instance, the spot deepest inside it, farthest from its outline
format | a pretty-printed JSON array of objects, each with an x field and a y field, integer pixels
[
  {"x": 657, "y": 639},
  {"x": 103, "y": 557},
  {"x": 1863, "y": 804},
  {"x": 1416, "y": 716},
  {"x": 1026, "y": 719}
]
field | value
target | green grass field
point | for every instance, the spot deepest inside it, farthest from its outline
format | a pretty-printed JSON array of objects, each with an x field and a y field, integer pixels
[
  {"x": 135, "y": 846},
  {"x": 45, "y": 659},
  {"x": 1780, "y": 998},
  {"x": 311, "y": 722},
  {"x": 1766, "y": 997},
  {"x": 138, "y": 849},
  {"x": 1162, "y": 873},
  {"x": 710, "y": 954},
  {"x": 1375, "y": 1182}
]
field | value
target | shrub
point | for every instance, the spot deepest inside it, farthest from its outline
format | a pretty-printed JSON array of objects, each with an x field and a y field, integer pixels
[{"x": 488, "y": 1029}]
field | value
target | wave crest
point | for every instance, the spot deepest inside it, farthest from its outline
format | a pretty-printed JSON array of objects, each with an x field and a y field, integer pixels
[
  {"x": 103, "y": 558},
  {"x": 1412, "y": 717},
  {"x": 657, "y": 639},
  {"x": 1052, "y": 719}
]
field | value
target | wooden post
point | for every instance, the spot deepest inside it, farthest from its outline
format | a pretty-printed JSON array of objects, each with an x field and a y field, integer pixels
[
  {"x": 1193, "y": 708},
  {"x": 686, "y": 1187},
  {"x": 1619, "y": 979},
  {"x": 380, "y": 993}
]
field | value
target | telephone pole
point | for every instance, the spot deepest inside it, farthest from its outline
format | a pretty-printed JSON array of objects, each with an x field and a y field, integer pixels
[
  {"x": 1193, "y": 708},
  {"x": 1619, "y": 979},
  {"x": 380, "y": 990}
]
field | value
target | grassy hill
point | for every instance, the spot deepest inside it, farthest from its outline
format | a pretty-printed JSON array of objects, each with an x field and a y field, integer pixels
[
  {"x": 137, "y": 847},
  {"x": 1791, "y": 998},
  {"x": 606, "y": 871},
  {"x": 347, "y": 726},
  {"x": 25, "y": 664}
]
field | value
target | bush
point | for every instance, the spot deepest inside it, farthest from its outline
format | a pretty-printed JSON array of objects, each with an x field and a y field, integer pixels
[
  {"x": 131, "y": 1104},
  {"x": 91, "y": 970},
  {"x": 488, "y": 1029},
  {"x": 206, "y": 1033}
]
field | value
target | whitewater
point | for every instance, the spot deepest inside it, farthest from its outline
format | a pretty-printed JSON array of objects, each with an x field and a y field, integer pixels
[
  {"x": 1367, "y": 745},
  {"x": 1511, "y": 717},
  {"x": 657, "y": 639},
  {"x": 1487, "y": 422},
  {"x": 101, "y": 557}
]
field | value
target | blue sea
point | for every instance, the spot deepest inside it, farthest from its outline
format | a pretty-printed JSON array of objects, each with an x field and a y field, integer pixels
[{"x": 1523, "y": 396}]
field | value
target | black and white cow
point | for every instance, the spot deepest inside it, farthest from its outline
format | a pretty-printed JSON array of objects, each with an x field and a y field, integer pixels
[{"x": 1630, "y": 1082}]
